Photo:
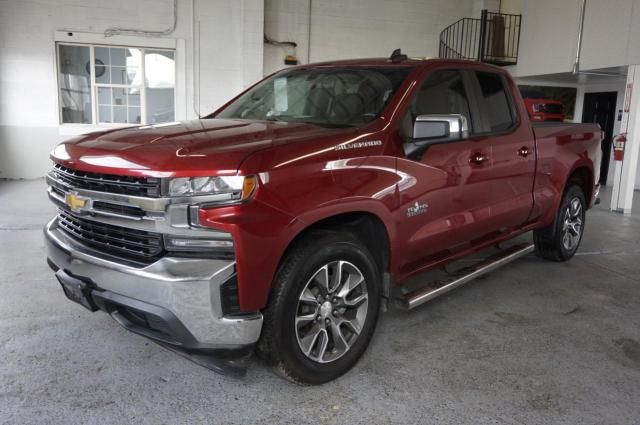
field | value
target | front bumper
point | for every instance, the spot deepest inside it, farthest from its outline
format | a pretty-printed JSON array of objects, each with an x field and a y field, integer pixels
[{"x": 175, "y": 301}]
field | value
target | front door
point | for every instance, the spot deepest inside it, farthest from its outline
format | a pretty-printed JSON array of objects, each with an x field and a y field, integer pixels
[
  {"x": 444, "y": 193},
  {"x": 601, "y": 108}
]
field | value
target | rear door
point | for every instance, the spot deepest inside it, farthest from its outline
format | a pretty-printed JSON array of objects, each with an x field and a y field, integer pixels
[{"x": 513, "y": 149}]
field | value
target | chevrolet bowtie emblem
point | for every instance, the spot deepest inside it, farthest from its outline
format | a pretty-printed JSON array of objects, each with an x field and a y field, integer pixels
[{"x": 74, "y": 202}]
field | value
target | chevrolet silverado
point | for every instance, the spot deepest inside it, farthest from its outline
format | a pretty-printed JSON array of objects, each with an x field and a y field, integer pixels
[{"x": 286, "y": 220}]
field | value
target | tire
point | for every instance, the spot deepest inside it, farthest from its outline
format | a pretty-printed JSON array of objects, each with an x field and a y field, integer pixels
[
  {"x": 560, "y": 241},
  {"x": 299, "y": 339}
]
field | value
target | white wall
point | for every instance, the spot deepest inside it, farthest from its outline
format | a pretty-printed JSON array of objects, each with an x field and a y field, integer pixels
[
  {"x": 230, "y": 43},
  {"x": 547, "y": 37},
  {"x": 611, "y": 35},
  {"x": 479, "y": 5},
  {"x": 359, "y": 28},
  {"x": 230, "y": 59},
  {"x": 513, "y": 7}
]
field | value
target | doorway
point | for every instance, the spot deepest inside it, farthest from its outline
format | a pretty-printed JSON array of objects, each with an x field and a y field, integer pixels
[{"x": 601, "y": 108}]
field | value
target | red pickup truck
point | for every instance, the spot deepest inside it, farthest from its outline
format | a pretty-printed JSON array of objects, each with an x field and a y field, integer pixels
[
  {"x": 541, "y": 108},
  {"x": 287, "y": 219}
]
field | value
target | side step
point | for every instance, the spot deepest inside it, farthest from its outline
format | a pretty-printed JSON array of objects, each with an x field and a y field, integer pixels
[{"x": 436, "y": 288}]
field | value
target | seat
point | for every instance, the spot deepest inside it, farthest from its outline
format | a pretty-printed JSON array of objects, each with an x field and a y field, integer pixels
[
  {"x": 346, "y": 108},
  {"x": 318, "y": 103}
]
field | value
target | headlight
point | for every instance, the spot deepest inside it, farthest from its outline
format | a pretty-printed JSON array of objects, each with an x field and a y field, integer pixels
[{"x": 229, "y": 188}]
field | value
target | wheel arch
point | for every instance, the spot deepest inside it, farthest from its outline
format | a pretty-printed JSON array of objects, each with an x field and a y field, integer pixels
[
  {"x": 369, "y": 228},
  {"x": 582, "y": 175}
]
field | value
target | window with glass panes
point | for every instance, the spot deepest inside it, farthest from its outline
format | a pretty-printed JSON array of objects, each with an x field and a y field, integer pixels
[{"x": 115, "y": 84}]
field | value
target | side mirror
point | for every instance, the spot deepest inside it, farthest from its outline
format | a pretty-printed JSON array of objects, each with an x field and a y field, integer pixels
[
  {"x": 430, "y": 129},
  {"x": 450, "y": 127}
]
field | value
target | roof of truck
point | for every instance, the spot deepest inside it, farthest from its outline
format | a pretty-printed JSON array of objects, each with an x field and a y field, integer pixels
[
  {"x": 409, "y": 62},
  {"x": 369, "y": 62}
]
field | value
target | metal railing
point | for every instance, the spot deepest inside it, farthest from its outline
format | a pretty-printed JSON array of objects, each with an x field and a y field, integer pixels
[{"x": 494, "y": 38}]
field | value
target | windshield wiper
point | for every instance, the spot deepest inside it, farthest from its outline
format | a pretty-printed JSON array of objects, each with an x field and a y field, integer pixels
[
  {"x": 291, "y": 118},
  {"x": 273, "y": 118},
  {"x": 334, "y": 125},
  {"x": 279, "y": 118}
]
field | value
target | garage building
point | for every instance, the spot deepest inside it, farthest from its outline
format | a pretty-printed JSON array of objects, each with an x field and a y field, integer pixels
[{"x": 533, "y": 342}]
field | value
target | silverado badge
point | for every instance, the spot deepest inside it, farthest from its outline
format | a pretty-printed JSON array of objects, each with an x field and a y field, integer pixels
[{"x": 358, "y": 145}]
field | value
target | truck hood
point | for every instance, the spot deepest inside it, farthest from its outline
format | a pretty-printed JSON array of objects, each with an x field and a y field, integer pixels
[{"x": 192, "y": 148}]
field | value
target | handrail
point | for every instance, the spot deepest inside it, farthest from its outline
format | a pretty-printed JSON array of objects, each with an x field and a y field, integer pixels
[{"x": 493, "y": 38}]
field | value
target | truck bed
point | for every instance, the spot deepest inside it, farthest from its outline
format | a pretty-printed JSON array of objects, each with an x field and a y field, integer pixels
[{"x": 557, "y": 146}]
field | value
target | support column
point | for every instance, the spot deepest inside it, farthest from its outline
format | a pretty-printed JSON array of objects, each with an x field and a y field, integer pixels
[{"x": 626, "y": 170}]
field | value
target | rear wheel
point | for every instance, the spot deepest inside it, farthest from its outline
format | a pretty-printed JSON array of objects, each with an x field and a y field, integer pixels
[
  {"x": 560, "y": 241},
  {"x": 323, "y": 308}
]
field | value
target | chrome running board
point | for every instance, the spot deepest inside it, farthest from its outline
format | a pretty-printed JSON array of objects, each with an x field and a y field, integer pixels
[{"x": 439, "y": 287}]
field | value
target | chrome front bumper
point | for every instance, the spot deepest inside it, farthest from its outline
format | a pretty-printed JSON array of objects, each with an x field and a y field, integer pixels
[{"x": 187, "y": 289}]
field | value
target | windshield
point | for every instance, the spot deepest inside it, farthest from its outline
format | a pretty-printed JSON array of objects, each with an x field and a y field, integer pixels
[{"x": 333, "y": 97}]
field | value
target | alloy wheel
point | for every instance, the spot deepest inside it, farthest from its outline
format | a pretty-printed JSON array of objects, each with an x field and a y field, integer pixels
[
  {"x": 331, "y": 311},
  {"x": 572, "y": 225}
]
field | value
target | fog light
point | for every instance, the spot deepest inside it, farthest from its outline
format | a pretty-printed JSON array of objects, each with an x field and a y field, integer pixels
[{"x": 173, "y": 243}]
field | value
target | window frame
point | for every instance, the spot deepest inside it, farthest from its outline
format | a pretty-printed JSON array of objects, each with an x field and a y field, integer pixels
[
  {"x": 469, "y": 87},
  {"x": 477, "y": 96},
  {"x": 94, "y": 86}
]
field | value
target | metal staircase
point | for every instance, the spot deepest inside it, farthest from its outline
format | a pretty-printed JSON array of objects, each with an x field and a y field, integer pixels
[{"x": 493, "y": 38}]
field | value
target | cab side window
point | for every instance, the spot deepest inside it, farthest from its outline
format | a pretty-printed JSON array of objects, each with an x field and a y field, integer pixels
[
  {"x": 494, "y": 102},
  {"x": 442, "y": 92}
]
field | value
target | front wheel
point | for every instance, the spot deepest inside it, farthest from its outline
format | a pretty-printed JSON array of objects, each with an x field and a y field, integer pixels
[
  {"x": 560, "y": 241},
  {"x": 323, "y": 308}
]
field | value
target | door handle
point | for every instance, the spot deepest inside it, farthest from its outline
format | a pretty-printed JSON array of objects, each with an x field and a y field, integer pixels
[
  {"x": 478, "y": 158},
  {"x": 523, "y": 151}
]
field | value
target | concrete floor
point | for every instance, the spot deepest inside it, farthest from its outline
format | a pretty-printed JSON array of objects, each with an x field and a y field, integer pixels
[{"x": 532, "y": 343}]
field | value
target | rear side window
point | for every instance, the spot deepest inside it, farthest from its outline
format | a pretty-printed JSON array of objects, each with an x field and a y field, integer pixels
[{"x": 494, "y": 102}]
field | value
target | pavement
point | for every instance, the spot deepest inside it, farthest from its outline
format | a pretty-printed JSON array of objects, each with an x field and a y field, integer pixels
[{"x": 534, "y": 342}]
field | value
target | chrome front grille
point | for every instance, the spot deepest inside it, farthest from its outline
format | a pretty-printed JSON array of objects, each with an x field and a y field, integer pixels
[
  {"x": 553, "y": 108},
  {"x": 116, "y": 217},
  {"x": 129, "y": 211},
  {"x": 126, "y": 185},
  {"x": 131, "y": 244}
]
